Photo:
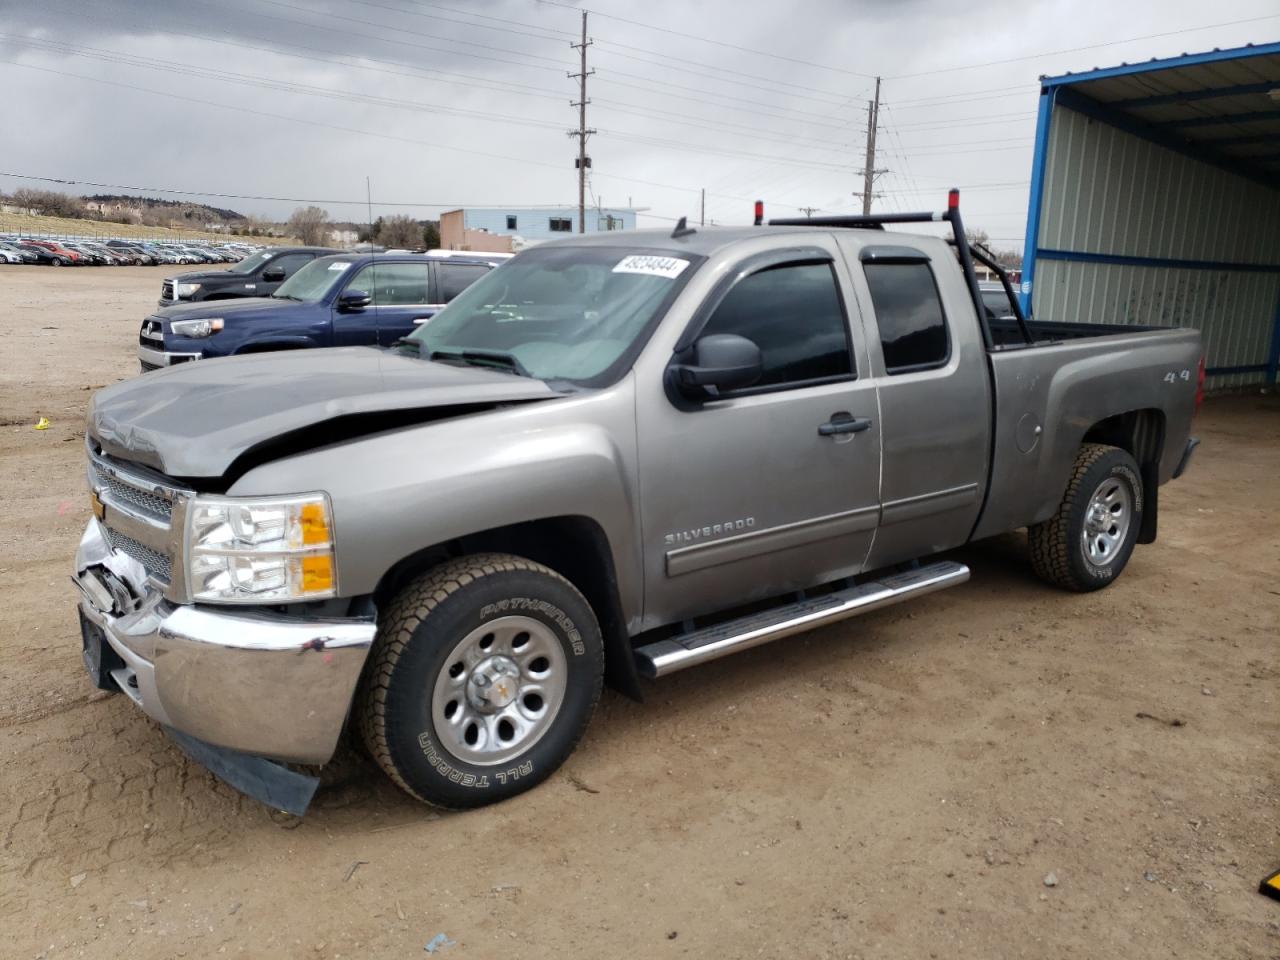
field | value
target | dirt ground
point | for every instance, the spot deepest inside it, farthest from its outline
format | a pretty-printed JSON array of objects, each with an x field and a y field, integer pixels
[{"x": 900, "y": 785}]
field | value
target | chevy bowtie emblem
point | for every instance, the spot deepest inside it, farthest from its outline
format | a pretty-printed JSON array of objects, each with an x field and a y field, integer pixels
[{"x": 99, "y": 508}]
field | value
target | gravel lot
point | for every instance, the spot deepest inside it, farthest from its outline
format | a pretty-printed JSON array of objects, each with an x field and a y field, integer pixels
[{"x": 897, "y": 786}]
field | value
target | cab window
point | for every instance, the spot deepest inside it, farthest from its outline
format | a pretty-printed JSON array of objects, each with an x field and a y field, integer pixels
[{"x": 794, "y": 314}]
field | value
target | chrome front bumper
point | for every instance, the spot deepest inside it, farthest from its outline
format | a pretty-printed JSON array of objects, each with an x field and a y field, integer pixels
[
  {"x": 253, "y": 681},
  {"x": 159, "y": 358}
]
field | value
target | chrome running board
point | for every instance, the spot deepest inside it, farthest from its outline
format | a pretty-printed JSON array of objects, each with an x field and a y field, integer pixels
[{"x": 710, "y": 643}]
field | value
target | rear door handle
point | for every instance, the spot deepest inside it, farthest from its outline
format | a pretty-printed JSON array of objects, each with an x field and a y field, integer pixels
[{"x": 844, "y": 423}]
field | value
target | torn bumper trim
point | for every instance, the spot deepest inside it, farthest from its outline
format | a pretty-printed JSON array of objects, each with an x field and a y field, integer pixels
[
  {"x": 265, "y": 780},
  {"x": 253, "y": 681}
]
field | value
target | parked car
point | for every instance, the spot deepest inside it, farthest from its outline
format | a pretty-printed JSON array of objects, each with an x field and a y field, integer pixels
[
  {"x": 134, "y": 251},
  {"x": 44, "y": 255},
  {"x": 11, "y": 256},
  {"x": 619, "y": 454},
  {"x": 64, "y": 254},
  {"x": 343, "y": 300},
  {"x": 256, "y": 276},
  {"x": 14, "y": 250},
  {"x": 995, "y": 300}
]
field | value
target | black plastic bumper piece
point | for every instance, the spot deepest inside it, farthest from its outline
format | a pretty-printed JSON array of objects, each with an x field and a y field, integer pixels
[
  {"x": 265, "y": 780},
  {"x": 1192, "y": 443}
]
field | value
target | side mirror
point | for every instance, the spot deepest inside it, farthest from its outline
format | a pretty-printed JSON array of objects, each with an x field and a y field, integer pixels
[
  {"x": 721, "y": 361},
  {"x": 273, "y": 274},
  {"x": 351, "y": 300}
]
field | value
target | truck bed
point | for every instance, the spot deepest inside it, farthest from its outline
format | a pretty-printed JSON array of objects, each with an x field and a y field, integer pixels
[{"x": 1005, "y": 333}]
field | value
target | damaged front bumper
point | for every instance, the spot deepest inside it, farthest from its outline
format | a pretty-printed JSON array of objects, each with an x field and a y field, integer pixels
[{"x": 256, "y": 682}]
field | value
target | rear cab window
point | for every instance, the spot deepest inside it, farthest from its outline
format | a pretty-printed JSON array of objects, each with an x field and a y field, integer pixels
[{"x": 909, "y": 315}]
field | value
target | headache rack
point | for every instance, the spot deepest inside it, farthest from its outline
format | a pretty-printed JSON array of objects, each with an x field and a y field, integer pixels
[{"x": 966, "y": 253}]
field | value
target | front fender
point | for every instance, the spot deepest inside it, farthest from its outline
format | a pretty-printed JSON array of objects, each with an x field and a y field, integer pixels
[{"x": 402, "y": 491}]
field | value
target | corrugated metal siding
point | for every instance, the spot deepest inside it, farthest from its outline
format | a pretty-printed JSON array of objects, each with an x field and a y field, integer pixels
[{"x": 1108, "y": 191}]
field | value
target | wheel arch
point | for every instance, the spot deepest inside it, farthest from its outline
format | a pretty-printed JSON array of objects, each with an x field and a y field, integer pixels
[
  {"x": 1140, "y": 433},
  {"x": 576, "y": 547}
]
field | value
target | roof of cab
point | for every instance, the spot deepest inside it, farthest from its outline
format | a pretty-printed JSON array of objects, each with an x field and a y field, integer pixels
[{"x": 705, "y": 241}]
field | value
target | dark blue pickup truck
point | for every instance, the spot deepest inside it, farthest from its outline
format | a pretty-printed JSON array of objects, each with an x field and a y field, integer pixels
[{"x": 339, "y": 301}]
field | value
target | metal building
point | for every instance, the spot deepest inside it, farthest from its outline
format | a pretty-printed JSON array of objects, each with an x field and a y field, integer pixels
[{"x": 1155, "y": 198}]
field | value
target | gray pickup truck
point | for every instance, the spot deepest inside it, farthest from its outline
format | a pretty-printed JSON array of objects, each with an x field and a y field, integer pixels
[{"x": 612, "y": 458}]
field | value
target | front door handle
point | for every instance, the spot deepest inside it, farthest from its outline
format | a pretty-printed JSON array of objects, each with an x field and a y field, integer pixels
[{"x": 844, "y": 423}]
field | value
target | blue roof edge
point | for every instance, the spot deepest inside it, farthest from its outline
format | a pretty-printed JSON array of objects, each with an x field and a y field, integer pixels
[{"x": 1186, "y": 60}]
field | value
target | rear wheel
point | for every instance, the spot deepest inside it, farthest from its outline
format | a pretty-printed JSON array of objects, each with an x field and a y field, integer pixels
[
  {"x": 1088, "y": 542},
  {"x": 482, "y": 680}
]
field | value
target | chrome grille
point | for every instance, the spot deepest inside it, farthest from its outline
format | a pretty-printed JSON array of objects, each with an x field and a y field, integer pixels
[
  {"x": 166, "y": 290},
  {"x": 141, "y": 510},
  {"x": 156, "y": 563},
  {"x": 152, "y": 333},
  {"x": 150, "y": 503}
]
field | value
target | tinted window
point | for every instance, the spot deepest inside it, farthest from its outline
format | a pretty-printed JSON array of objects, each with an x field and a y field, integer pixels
[
  {"x": 393, "y": 284},
  {"x": 913, "y": 331},
  {"x": 290, "y": 262},
  {"x": 560, "y": 224},
  {"x": 453, "y": 278},
  {"x": 794, "y": 315},
  {"x": 996, "y": 303}
]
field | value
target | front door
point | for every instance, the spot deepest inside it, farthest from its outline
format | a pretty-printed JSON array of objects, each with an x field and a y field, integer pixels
[
  {"x": 772, "y": 488},
  {"x": 398, "y": 303}
]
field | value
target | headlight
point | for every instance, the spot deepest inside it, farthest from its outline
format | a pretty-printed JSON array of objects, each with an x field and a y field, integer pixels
[
  {"x": 272, "y": 550},
  {"x": 196, "y": 328},
  {"x": 181, "y": 290}
]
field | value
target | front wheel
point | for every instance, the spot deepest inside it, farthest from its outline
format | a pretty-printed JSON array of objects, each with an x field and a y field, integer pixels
[
  {"x": 1088, "y": 542},
  {"x": 482, "y": 680}
]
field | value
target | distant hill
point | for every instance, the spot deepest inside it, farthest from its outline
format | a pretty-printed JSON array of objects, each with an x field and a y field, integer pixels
[{"x": 200, "y": 212}]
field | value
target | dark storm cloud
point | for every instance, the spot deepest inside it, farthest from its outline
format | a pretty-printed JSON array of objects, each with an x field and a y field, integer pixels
[{"x": 469, "y": 102}]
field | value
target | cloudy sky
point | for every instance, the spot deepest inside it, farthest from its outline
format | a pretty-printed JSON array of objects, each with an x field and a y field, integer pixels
[{"x": 467, "y": 102}]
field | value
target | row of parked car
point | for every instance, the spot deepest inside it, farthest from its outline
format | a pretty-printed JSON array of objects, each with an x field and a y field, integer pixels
[{"x": 67, "y": 253}]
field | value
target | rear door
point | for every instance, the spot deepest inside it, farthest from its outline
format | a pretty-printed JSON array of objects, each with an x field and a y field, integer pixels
[
  {"x": 771, "y": 488},
  {"x": 452, "y": 278},
  {"x": 935, "y": 396},
  {"x": 399, "y": 301}
]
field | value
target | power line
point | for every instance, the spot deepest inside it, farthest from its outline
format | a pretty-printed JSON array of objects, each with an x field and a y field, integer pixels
[
  {"x": 380, "y": 134},
  {"x": 242, "y": 196},
  {"x": 415, "y": 33},
  {"x": 436, "y": 16},
  {"x": 770, "y": 86},
  {"x": 154, "y": 63},
  {"x": 1091, "y": 46},
  {"x": 227, "y": 76},
  {"x": 718, "y": 43},
  {"x": 281, "y": 49}
]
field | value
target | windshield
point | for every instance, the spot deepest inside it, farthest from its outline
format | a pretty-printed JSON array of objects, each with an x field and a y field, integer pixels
[
  {"x": 250, "y": 264},
  {"x": 312, "y": 281},
  {"x": 560, "y": 313}
]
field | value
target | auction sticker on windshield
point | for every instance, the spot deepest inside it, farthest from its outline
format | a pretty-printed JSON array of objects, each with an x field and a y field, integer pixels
[
  {"x": 669, "y": 267},
  {"x": 339, "y": 266}
]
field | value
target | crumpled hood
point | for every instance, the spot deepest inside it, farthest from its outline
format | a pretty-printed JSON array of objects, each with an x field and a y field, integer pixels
[{"x": 195, "y": 419}]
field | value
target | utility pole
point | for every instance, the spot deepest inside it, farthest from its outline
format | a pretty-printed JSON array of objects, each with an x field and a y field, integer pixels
[
  {"x": 702, "y": 209},
  {"x": 807, "y": 211},
  {"x": 869, "y": 171},
  {"x": 582, "y": 132}
]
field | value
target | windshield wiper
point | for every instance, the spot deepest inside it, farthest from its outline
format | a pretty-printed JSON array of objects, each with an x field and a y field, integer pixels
[
  {"x": 497, "y": 359},
  {"x": 276, "y": 296}
]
